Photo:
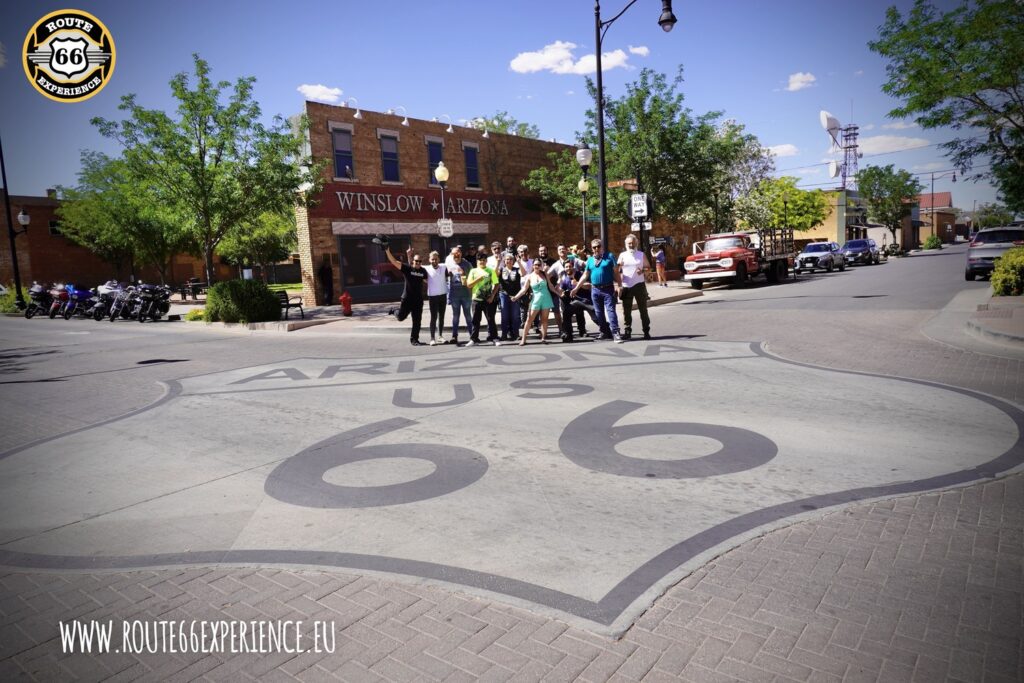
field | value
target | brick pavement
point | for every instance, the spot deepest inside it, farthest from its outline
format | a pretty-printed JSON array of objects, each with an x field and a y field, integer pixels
[
  {"x": 926, "y": 587},
  {"x": 919, "y": 588}
]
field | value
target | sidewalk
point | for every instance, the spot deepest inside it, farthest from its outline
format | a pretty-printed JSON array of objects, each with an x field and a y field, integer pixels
[{"x": 373, "y": 318}]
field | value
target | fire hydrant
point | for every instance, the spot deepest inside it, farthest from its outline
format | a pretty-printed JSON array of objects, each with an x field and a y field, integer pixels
[{"x": 346, "y": 303}]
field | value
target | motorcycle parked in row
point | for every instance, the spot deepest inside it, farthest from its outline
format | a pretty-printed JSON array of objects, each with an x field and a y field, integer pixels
[
  {"x": 105, "y": 295},
  {"x": 123, "y": 305},
  {"x": 58, "y": 300},
  {"x": 154, "y": 301},
  {"x": 40, "y": 300},
  {"x": 80, "y": 302}
]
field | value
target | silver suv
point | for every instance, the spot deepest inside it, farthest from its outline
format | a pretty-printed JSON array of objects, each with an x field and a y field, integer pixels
[
  {"x": 820, "y": 255},
  {"x": 987, "y": 246}
]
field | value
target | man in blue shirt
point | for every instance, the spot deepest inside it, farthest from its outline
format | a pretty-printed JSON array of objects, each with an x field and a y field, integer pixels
[{"x": 605, "y": 281}]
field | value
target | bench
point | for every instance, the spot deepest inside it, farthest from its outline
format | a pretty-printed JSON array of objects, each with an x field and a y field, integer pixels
[
  {"x": 193, "y": 287},
  {"x": 288, "y": 303}
]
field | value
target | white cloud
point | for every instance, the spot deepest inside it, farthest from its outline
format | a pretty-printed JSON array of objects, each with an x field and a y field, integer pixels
[
  {"x": 558, "y": 58},
  {"x": 641, "y": 50},
  {"x": 800, "y": 80},
  {"x": 869, "y": 126},
  {"x": 320, "y": 93},
  {"x": 3, "y": 56},
  {"x": 786, "y": 150},
  {"x": 932, "y": 166},
  {"x": 570, "y": 92},
  {"x": 858, "y": 72},
  {"x": 810, "y": 171},
  {"x": 899, "y": 125},
  {"x": 880, "y": 144}
]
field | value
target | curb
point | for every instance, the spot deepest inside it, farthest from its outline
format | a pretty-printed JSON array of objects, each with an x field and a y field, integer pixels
[{"x": 978, "y": 330}]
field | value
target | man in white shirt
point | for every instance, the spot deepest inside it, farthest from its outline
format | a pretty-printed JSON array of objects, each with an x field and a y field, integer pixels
[{"x": 632, "y": 265}]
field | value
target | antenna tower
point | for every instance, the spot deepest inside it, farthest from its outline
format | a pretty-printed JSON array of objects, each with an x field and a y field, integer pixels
[{"x": 850, "y": 155}]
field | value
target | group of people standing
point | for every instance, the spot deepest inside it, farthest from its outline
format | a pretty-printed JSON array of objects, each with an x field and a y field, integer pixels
[{"x": 528, "y": 290}]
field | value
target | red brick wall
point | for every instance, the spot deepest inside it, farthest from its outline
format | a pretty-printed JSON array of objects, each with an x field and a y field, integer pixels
[{"x": 45, "y": 257}]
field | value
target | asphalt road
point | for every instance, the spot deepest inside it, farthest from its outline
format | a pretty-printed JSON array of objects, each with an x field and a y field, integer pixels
[{"x": 579, "y": 480}]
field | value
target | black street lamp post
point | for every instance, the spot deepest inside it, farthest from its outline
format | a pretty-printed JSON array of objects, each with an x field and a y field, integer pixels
[
  {"x": 667, "y": 20},
  {"x": 23, "y": 220}
]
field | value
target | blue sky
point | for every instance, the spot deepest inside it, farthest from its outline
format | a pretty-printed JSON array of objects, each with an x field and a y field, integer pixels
[{"x": 771, "y": 66}]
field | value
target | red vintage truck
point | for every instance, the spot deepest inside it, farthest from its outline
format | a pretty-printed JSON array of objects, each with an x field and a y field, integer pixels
[{"x": 735, "y": 257}]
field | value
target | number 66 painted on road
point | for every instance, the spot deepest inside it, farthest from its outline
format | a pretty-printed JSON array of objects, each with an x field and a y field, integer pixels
[{"x": 589, "y": 441}]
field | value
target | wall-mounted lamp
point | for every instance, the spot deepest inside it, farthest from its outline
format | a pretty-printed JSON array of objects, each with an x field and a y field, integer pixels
[
  {"x": 358, "y": 114},
  {"x": 405, "y": 114}
]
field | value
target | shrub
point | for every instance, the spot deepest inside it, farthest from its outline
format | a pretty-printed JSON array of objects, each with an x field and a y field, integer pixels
[
  {"x": 195, "y": 314},
  {"x": 933, "y": 242},
  {"x": 8, "y": 301},
  {"x": 245, "y": 301},
  {"x": 1008, "y": 276}
]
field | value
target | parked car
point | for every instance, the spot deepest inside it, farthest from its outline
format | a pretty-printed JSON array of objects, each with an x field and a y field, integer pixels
[
  {"x": 825, "y": 256},
  {"x": 987, "y": 246},
  {"x": 861, "y": 252}
]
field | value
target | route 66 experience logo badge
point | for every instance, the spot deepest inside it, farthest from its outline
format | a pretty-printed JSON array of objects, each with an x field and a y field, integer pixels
[{"x": 69, "y": 55}]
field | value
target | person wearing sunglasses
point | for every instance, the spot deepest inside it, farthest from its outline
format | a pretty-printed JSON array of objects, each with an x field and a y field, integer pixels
[
  {"x": 412, "y": 295},
  {"x": 601, "y": 271}
]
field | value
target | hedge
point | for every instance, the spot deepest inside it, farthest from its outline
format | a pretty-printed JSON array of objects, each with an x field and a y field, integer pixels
[
  {"x": 241, "y": 301},
  {"x": 1008, "y": 276}
]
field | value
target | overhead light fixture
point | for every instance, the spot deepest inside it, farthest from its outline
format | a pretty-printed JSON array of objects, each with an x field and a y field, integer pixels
[
  {"x": 667, "y": 20},
  {"x": 449, "y": 129}
]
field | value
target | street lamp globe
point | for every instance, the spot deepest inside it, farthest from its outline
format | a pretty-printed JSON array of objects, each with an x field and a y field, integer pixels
[
  {"x": 583, "y": 185},
  {"x": 667, "y": 20},
  {"x": 23, "y": 218},
  {"x": 583, "y": 157},
  {"x": 441, "y": 173}
]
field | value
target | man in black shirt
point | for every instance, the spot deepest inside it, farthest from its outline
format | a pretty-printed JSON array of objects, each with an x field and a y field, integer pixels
[{"x": 412, "y": 296}]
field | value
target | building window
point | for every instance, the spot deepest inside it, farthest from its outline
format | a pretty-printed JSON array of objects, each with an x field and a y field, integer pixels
[
  {"x": 472, "y": 166},
  {"x": 435, "y": 155},
  {"x": 389, "y": 158},
  {"x": 365, "y": 263},
  {"x": 344, "y": 166},
  {"x": 55, "y": 228}
]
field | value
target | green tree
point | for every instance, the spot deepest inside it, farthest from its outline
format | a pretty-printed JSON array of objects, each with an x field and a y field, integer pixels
[
  {"x": 269, "y": 239},
  {"x": 120, "y": 218},
  {"x": 215, "y": 162},
  {"x": 992, "y": 215},
  {"x": 963, "y": 68},
  {"x": 503, "y": 122},
  {"x": 679, "y": 158},
  {"x": 888, "y": 194},
  {"x": 789, "y": 206}
]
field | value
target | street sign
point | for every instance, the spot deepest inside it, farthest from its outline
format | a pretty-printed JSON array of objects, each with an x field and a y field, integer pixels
[
  {"x": 635, "y": 227},
  {"x": 628, "y": 183},
  {"x": 593, "y": 219},
  {"x": 445, "y": 227},
  {"x": 638, "y": 205}
]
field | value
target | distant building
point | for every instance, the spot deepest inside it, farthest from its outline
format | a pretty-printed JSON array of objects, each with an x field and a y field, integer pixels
[
  {"x": 46, "y": 255},
  {"x": 938, "y": 217}
]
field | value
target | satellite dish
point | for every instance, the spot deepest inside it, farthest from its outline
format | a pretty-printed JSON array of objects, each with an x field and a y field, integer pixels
[
  {"x": 829, "y": 123},
  {"x": 833, "y": 169}
]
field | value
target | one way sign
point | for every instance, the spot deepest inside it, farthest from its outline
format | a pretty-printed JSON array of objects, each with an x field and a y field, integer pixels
[{"x": 638, "y": 205}]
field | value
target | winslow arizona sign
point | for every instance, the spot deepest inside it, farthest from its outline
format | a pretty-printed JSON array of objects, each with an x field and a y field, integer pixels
[{"x": 343, "y": 200}]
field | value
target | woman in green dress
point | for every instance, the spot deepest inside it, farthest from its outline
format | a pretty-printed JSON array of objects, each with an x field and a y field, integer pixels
[{"x": 540, "y": 289}]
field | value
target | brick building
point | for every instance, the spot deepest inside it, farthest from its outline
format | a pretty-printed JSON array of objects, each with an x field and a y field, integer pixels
[
  {"x": 46, "y": 255},
  {"x": 380, "y": 180}
]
